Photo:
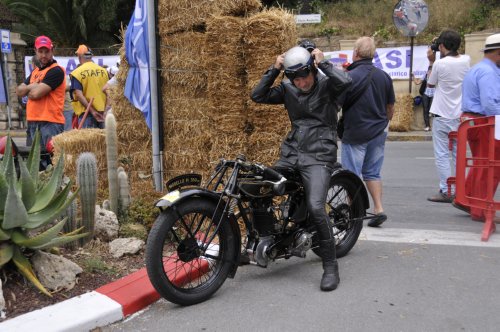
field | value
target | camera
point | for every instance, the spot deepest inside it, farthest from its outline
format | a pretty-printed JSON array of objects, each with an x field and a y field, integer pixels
[{"x": 435, "y": 45}]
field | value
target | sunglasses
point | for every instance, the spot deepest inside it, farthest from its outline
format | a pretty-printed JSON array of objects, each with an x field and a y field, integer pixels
[{"x": 303, "y": 71}]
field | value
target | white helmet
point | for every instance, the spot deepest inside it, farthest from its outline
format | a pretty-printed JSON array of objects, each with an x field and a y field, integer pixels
[{"x": 298, "y": 62}]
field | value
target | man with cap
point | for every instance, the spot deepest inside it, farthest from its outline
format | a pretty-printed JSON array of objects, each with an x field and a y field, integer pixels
[
  {"x": 45, "y": 89},
  {"x": 481, "y": 97},
  {"x": 87, "y": 81}
]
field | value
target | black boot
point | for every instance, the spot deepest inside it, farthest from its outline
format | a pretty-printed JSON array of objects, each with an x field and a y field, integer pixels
[{"x": 330, "y": 279}]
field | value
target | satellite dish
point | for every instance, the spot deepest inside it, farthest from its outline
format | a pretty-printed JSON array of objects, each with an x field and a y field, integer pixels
[{"x": 410, "y": 17}]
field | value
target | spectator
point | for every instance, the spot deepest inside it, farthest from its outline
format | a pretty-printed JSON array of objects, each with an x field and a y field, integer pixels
[
  {"x": 367, "y": 108},
  {"x": 45, "y": 88},
  {"x": 427, "y": 94},
  {"x": 446, "y": 76},
  {"x": 481, "y": 97},
  {"x": 68, "y": 108},
  {"x": 87, "y": 81}
]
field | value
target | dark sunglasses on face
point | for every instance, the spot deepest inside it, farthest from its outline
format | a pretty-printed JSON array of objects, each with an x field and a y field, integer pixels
[{"x": 303, "y": 71}]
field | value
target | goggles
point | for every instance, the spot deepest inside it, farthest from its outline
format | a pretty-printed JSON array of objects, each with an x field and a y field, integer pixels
[{"x": 303, "y": 71}]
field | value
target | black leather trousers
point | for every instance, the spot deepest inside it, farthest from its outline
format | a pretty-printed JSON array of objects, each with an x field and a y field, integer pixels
[{"x": 316, "y": 181}]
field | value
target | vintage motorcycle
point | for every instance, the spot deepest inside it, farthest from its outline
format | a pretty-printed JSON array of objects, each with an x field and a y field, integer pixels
[{"x": 196, "y": 241}]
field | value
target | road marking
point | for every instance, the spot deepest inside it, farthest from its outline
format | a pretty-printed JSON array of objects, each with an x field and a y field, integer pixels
[{"x": 424, "y": 236}]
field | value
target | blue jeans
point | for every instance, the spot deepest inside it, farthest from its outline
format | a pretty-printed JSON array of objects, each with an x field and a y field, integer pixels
[
  {"x": 68, "y": 120},
  {"x": 441, "y": 127},
  {"x": 90, "y": 122},
  {"x": 365, "y": 160},
  {"x": 47, "y": 131}
]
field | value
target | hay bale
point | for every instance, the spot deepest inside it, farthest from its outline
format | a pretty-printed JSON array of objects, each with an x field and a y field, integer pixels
[
  {"x": 403, "y": 113},
  {"x": 268, "y": 33},
  {"x": 75, "y": 142},
  {"x": 181, "y": 63},
  {"x": 184, "y": 15}
]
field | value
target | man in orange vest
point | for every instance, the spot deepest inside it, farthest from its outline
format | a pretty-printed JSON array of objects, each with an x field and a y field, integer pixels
[
  {"x": 45, "y": 88},
  {"x": 87, "y": 81}
]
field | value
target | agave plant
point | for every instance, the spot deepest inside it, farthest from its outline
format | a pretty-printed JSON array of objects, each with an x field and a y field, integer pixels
[{"x": 28, "y": 208}]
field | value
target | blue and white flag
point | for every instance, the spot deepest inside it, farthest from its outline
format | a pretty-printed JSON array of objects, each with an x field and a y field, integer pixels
[{"x": 137, "y": 89}]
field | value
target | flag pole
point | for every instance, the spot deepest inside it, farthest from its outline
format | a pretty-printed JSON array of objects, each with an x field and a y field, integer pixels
[{"x": 155, "y": 125}]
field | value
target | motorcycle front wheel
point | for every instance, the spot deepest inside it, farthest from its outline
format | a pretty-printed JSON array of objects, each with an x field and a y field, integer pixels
[
  {"x": 188, "y": 257},
  {"x": 345, "y": 210}
]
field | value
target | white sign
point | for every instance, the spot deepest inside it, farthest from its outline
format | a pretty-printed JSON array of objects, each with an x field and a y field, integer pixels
[
  {"x": 307, "y": 18},
  {"x": 395, "y": 61},
  {"x": 6, "y": 45},
  {"x": 70, "y": 63}
]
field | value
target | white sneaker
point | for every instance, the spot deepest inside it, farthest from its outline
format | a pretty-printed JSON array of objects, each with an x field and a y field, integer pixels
[{"x": 427, "y": 128}]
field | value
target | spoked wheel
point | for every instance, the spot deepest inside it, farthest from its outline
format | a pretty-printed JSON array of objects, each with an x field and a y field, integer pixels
[
  {"x": 187, "y": 256},
  {"x": 345, "y": 209}
]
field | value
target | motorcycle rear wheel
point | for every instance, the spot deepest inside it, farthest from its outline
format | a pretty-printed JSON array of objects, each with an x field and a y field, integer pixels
[
  {"x": 344, "y": 207},
  {"x": 182, "y": 266}
]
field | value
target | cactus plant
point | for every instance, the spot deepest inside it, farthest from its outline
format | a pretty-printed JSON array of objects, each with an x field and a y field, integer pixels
[
  {"x": 124, "y": 192},
  {"x": 112, "y": 158},
  {"x": 28, "y": 208},
  {"x": 72, "y": 223},
  {"x": 86, "y": 175}
]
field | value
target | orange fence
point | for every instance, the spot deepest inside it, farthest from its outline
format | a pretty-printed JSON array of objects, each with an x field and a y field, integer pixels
[{"x": 478, "y": 174}]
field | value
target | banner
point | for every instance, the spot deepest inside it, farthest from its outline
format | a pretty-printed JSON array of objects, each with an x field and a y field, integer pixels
[
  {"x": 395, "y": 61},
  {"x": 137, "y": 89},
  {"x": 70, "y": 63}
]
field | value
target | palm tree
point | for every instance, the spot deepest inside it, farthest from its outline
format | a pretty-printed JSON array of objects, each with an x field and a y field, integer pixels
[{"x": 71, "y": 22}]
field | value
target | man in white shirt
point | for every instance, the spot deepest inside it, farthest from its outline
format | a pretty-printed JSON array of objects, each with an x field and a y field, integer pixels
[{"x": 446, "y": 76}]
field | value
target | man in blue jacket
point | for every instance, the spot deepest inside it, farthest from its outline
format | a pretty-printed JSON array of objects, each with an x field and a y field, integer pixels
[{"x": 367, "y": 108}]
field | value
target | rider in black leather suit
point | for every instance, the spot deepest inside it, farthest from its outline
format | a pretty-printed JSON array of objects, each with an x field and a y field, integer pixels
[{"x": 311, "y": 145}]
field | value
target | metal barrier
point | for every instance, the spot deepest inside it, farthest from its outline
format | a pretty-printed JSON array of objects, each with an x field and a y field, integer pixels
[{"x": 477, "y": 176}]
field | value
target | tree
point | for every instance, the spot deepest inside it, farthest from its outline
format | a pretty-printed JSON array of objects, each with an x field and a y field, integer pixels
[{"x": 72, "y": 22}]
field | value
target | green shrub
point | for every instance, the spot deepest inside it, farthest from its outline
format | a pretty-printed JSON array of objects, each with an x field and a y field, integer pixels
[{"x": 28, "y": 208}]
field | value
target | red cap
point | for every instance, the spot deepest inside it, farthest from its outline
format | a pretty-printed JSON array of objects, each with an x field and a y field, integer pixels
[{"x": 43, "y": 41}]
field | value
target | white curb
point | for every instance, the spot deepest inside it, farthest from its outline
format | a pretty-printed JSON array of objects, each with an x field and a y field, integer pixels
[{"x": 80, "y": 313}]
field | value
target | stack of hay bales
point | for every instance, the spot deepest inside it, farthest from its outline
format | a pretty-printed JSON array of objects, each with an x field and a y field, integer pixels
[
  {"x": 212, "y": 54},
  {"x": 268, "y": 34},
  {"x": 403, "y": 113},
  {"x": 185, "y": 118},
  {"x": 226, "y": 86}
]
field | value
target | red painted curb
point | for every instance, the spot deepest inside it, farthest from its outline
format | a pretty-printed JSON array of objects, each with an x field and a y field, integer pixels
[{"x": 135, "y": 292}]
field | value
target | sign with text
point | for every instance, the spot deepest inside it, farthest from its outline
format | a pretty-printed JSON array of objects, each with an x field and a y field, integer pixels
[
  {"x": 6, "y": 45},
  {"x": 70, "y": 63},
  {"x": 395, "y": 61},
  {"x": 307, "y": 18}
]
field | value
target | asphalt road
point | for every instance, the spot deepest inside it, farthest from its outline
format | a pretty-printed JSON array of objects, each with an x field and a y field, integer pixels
[{"x": 424, "y": 270}]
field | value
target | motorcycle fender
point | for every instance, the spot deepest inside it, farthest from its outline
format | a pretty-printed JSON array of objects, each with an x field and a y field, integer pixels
[
  {"x": 363, "y": 194},
  {"x": 178, "y": 196}
]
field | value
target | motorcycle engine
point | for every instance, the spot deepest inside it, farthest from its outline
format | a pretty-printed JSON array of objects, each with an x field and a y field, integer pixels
[
  {"x": 261, "y": 255},
  {"x": 301, "y": 244}
]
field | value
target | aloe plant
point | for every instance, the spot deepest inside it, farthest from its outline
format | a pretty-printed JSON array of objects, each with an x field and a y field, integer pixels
[{"x": 29, "y": 207}]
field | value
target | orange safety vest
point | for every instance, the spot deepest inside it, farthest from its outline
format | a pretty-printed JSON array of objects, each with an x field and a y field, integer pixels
[
  {"x": 50, "y": 107},
  {"x": 92, "y": 77}
]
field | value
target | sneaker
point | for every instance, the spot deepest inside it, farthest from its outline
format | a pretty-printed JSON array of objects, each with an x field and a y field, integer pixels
[
  {"x": 377, "y": 220},
  {"x": 441, "y": 197},
  {"x": 427, "y": 128}
]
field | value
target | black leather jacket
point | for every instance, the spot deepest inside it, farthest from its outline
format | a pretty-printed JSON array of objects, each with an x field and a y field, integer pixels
[{"x": 312, "y": 139}]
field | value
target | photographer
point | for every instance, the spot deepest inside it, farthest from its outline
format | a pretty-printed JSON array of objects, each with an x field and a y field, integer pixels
[{"x": 446, "y": 75}]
